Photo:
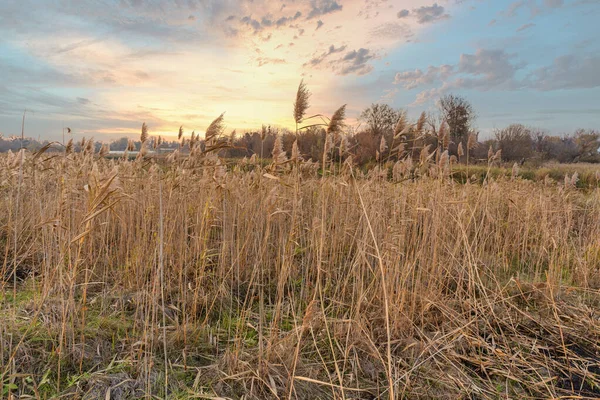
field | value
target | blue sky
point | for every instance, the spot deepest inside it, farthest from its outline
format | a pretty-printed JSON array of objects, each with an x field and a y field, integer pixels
[{"x": 102, "y": 67}]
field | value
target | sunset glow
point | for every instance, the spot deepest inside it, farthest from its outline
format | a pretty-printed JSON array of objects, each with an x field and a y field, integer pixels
[{"x": 103, "y": 67}]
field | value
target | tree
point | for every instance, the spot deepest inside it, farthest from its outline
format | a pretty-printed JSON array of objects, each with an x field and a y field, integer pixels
[
  {"x": 516, "y": 142},
  {"x": 380, "y": 118},
  {"x": 119, "y": 144},
  {"x": 588, "y": 143},
  {"x": 458, "y": 114},
  {"x": 562, "y": 149},
  {"x": 539, "y": 137}
]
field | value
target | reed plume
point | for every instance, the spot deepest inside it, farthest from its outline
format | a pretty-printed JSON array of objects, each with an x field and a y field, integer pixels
[
  {"x": 497, "y": 155},
  {"x": 193, "y": 140},
  {"x": 444, "y": 162},
  {"x": 445, "y": 135},
  {"x": 344, "y": 145},
  {"x": 69, "y": 147},
  {"x": 424, "y": 155},
  {"x": 472, "y": 141},
  {"x": 144, "y": 134},
  {"x": 301, "y": 104},
  {"x": 104, "y": 150},
  {"x": 421, "y": 122},
  {"x": 89, "y": 147},
  {"x": 214, "y": 130},
  {"x": 336, "y": 124},
  {"x": 296, "y": 151},
  {"x": 574, "y": 179},
  {"x": 401, "y": 125},
  {"x": 279, "y": 156},
  {"x": 382, "y": 145}
]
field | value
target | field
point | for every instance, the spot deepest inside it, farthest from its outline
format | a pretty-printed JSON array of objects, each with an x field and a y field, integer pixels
[{"x": 196, "y": 277}]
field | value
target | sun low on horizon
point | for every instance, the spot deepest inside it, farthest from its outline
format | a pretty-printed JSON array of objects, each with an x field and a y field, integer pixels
[{"x": 102, "y": 67}]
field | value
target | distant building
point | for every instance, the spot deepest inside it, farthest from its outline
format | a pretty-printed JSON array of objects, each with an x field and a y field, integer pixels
[{"x": 134, "y": 153}]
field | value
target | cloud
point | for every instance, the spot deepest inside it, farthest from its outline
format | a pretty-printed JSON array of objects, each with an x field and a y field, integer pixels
[
  {"x": 124, "y": 44},
  {"x": 428, "y": 14},
  {"x": 389, "y": 94},
  {"x": 323, "y": 7},
  {"x": 513, "y": 8},
  {"x": 76, "y": 45},
  {"x": 554, "y": 3},
  {"x": 427, "y": 95},
  {"x": 491, "y": 67},
  {"x": 355, "y": 62},
  {"x": 416, "y": 78},
  {"x": 403, "y": 13},
  {"x": 495, "y": 69},
  {"x": 391, "y": 30},
  {"x": 268, "y": 21},
  {"x": 284, "y": 20},
  {"x": 266, "y": 60},
  {"x": 255, "y": 24},
  {"x": 484, "y": 70},
  {"x": 525, "y": 27},
  {"x": 318, "y": 60},
  {"x": 566, "y": 72},
  {"x": 424, "y": 14},
  {"x": 535, "y": 9}
]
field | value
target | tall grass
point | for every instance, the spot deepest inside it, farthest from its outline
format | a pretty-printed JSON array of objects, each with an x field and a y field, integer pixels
[{"x": 293, "y": 284}]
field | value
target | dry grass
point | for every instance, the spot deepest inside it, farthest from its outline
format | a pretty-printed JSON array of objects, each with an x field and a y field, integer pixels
[{"x": 186, "y": 279}]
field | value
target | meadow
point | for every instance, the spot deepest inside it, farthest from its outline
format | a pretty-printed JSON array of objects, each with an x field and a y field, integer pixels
[{"x": 199, "y": 277}]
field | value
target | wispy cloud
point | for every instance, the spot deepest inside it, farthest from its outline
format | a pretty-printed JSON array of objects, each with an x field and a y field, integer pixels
[
  {"x": 78, "y": 58},
  {"x": 323, "y": 7},
  {"x": 424, "y": 14},
  {"x": 525, "y": 27},
  {"x": 495, "y": 69},
  {"x": 430, "y": 13},
  {"x": 356, "y": 62},
  {"x": 107, "y": 66}
]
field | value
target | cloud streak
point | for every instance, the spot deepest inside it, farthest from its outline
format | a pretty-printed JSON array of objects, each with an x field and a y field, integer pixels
[
  {"x": 119, "y": 61},
  {"x": 487, "y": 70},
  {"x": 424, "y": 14}
]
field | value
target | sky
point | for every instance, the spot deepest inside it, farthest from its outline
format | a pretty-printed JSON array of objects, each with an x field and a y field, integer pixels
[{"x": 102, "y": 67}]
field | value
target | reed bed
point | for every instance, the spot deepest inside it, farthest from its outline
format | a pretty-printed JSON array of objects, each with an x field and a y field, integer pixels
[{"x": 184, "y": 279}]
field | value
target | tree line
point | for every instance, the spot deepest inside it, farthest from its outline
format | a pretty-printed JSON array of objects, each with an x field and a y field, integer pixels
[{"x": 383, "y": 134}]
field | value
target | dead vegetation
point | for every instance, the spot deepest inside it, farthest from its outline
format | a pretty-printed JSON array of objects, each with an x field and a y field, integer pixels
[
  {"x": 190, "y": 278},
  {"x": 195, "y": 279}
]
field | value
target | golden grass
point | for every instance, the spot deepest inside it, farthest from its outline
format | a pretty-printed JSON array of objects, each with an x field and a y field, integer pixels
[{"x": 186, "y": 279}]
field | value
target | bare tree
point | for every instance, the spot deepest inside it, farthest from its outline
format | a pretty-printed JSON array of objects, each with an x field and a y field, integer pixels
[
  {"x": 380, "y": 118},
  {"x": 516, "y": 142},
  {"x": 588, "y": 143},
  {"x": 458, "y": 114}
]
